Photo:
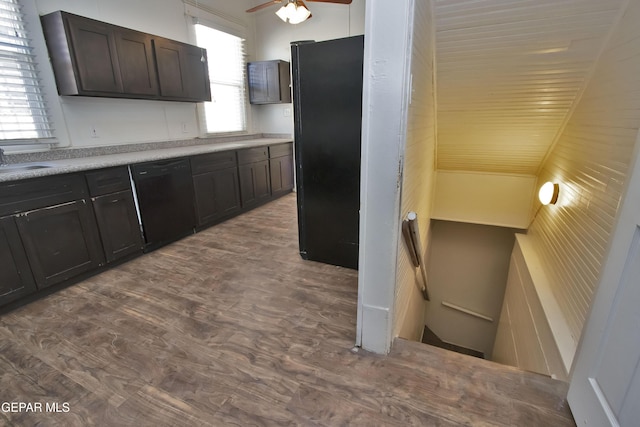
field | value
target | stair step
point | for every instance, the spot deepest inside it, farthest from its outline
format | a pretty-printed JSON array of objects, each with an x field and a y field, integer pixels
[{"x": 429, "y": 337}]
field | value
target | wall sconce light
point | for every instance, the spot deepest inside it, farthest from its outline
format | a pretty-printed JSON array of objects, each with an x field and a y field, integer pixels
[
  {"x": 294, "y": 12},
  {"x": 548, "y": 193}
]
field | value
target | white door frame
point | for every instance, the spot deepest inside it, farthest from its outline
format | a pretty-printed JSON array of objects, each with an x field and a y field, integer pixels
[{"x": 387, "y": 67}]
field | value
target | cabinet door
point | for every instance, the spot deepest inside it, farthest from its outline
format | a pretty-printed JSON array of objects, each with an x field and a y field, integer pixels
[
  {"x": 15, "y": 274},
  {"x": 197, "y": 85},
  {"x": 272, "y": 77},
  {"x": 118, "y": 224},
  {"x": 281, "y": 170},
  {"x": 94, "y": 51},
  {"x": 255, "y": 183},
  {"x": 170, "y": 68},
  {"x": 137, "y": 69},
  {"x": 269, "y": 82},
  {"x": 217, "y": 195},
  {"x": 60, "y": 241},
  {"x": 264, "y": 82},
  {"x": 182, "y": 70},
  {"x": 258, "y": 88}
]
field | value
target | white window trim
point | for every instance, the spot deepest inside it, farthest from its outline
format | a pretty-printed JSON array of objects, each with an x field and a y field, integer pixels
[
  {"x": 196, "y": 14},
  {"x": 49, "y": 88}
]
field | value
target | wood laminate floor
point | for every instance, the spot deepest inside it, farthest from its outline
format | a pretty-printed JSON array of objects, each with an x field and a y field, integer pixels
[{"x": 231, "y": 327}]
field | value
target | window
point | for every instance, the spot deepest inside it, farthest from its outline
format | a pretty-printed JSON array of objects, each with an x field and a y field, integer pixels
[
  {"x": 225, "y": 53},
  {"x": 23, "y": 113}
]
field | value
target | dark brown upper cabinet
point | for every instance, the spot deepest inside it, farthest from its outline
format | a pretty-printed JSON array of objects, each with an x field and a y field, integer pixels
[
  {"x": 182, "y": 70},
  {"x": 93, "y": 58},
  {"x": 269, "y": 82}
]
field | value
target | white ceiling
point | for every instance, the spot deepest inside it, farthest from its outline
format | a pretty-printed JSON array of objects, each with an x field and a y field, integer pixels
[{"x": 508, "y": 74}]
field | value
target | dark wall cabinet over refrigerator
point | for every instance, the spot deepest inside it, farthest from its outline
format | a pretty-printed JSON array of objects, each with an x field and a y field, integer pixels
[
  {"x": 327, "y": 94},
  {"x": 269, "y": 82}
]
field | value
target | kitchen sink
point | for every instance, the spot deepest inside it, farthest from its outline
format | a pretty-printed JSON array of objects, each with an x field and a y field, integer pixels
[{"x": 21, "y": 168}]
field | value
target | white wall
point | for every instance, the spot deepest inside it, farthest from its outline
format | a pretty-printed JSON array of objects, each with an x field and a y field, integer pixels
[
  {"x": 590, "y": 162},
  {"x": 532, "y": 332},
  {"x": 273, "y": 39},
  {"x": 483, "y": 198},
  {"x": 418, "y": 174},
  {"x": 468, "y": 268},
  {"x": 119, "y": 121}
]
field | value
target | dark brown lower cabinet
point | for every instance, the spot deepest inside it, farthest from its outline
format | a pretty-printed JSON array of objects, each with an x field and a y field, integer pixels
[
  {"x": 15, "y": 274},
  {"x": 255, "y": 183},
  {"x": 118, "y": 224},
  {"x": 60, "y": 241},
  {"x": 217, "y": 195},
  {"x": 58, "y": 228},
  {"x": 281, "y": 170}
]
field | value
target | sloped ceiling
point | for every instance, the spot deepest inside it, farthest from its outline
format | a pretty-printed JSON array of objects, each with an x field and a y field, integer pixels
[{"x": 508, "y": 74}]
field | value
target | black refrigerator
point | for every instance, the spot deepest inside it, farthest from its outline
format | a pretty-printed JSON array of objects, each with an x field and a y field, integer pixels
[{"x": 327, "y": 98}]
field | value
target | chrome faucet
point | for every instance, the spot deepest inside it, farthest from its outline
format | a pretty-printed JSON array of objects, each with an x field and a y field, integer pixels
[{"x": 3, "y": 160}]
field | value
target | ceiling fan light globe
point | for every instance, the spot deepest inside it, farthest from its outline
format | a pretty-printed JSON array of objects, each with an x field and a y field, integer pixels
[
  {"x": 300, "y": 15},
  {"x": 290, "y": 9},
  {"x": 282, "y": 13}
]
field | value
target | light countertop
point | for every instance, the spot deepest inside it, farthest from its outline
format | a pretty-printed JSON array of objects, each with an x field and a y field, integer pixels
[{"x": 15, "y": 172}]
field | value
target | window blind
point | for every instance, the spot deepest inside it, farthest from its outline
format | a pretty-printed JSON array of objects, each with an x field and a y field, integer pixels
[
  {"x": 23, "y": 110},
  {"x": 225, "y": 53}
]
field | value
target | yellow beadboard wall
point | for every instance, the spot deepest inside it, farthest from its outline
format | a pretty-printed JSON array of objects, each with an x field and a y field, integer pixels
[
  {"x": 418, "y": 174},
  {"x": 508, "y": 74},
  {"x": 590, "y": 161}
]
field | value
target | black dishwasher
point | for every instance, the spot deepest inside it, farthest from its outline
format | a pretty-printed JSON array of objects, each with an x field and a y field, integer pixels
[{"x": 165, "y": 199}]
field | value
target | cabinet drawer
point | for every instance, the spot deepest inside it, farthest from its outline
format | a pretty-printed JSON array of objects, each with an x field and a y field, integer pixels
[
  {"x": 253, "y": 155},
  {"x": 281, "y": 150},
  {"x": 20, "y": 196},
  {"x": 106, "y": 181},
  {"x": 213, "y": 162}
]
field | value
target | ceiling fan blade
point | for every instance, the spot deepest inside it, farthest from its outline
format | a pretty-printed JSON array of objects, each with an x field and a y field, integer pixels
[
  {"x": 332, "y": 1},
  {"x": 264, "y": 5}
]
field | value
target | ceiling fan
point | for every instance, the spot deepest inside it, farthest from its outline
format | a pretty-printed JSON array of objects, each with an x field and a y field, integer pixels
[{"x": 294, "y": 11}]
